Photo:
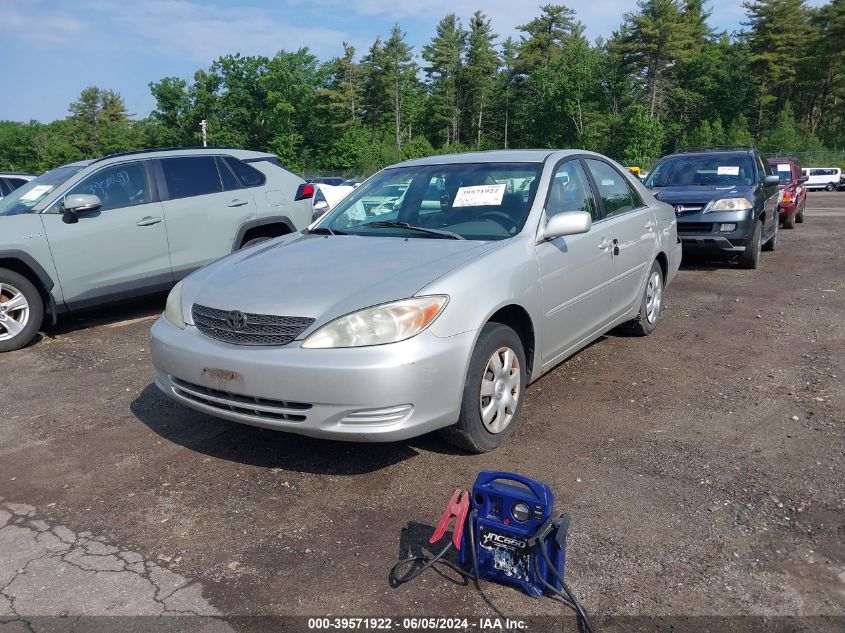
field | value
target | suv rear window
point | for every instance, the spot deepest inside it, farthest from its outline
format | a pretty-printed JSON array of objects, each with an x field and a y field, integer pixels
[
  {"x": 249, "y": 176},
  {"x": 191, "y": 176}
]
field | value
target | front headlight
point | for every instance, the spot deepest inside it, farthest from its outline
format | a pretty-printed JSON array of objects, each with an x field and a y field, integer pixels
[
  {"x": 732, "y": 204},
  {"x": 387, "y": 323},
  {"x": 173, "y": 307}
]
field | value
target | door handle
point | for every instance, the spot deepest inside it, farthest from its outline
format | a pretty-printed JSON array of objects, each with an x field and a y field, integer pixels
[
  {"x": 238, "y": 203},
  {"x": 604, "y": 244},
  {"x": 148, "y": 221},
  {"x": 650, "y": 225}
]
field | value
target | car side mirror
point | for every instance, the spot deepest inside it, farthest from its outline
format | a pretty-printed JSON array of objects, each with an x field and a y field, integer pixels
[
  {"x": 567, "y": 223},
  {"x": 78, "y": 203},
  {"x": 322, "y": 205},
  {"x": 771, "y": 180},
  {"x": 803, "y": 179}
]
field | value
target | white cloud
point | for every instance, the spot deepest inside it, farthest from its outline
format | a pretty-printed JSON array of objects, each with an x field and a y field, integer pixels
[{"x": 42, "y": 26}]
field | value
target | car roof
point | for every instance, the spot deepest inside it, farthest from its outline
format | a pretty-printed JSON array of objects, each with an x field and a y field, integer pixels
[
  {"x": 711, "y": 152},
  {"x": 169, "y": 152},
  {"x": 496, "y": 156}
]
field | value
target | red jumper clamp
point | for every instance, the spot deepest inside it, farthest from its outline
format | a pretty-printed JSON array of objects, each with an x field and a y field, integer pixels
[{"x": 457, "y": 507}]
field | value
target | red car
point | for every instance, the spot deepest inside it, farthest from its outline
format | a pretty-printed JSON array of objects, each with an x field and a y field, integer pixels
[{"x": 793, "y": 193}]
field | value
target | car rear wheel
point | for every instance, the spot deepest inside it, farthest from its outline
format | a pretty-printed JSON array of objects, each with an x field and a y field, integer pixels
[
  {"x": 493, "y": 391},
  {"x": 651, "y": 304},
  {"x": 789, "y": 221},
  {"x": 21, "y": 310},
  {"x": 750, "y": 258},
  {"x": 830, "y": 186}
]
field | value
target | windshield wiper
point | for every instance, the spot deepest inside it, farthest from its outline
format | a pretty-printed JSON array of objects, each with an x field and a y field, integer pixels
[
  {"x": 390, "y": 224},
  {"x": 324, "y": 230}
]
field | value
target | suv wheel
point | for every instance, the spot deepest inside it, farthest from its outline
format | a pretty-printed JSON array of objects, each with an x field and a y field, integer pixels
[
  {"x": 493, "y": 391},
  {"x": 651, "y": 304},
  {"x": 750, "y": 258},
  {"x": 21, "y": 310},
  {"x": 789, "y": 220},
  {"x": 799, "y": 215},
  {"x": 773, "y": 240}
]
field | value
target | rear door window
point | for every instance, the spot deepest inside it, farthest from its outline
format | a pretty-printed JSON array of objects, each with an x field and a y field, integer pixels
[
  {"x": 191, "y": 176},
  {"x": 230, "y": 183},
  {"x": 616, "y": 194}
]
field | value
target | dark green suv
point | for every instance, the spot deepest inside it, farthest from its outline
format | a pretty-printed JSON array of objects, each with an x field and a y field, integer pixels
[{"x": 725, "y": 200}]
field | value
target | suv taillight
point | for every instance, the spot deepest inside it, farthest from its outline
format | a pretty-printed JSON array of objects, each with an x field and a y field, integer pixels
[{"x": 305, "y": 191}]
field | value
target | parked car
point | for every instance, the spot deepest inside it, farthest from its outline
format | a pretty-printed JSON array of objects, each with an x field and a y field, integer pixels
[
  {"x": 435, "y": 315},
  {"x": 96, "y": 231},
  {"x": 793, "y": 197},
  {"x": 326, "y": 180},
  {"x": 9, "y": 181},
  {"x": 827, "y": 178},
  {"x": 352, "y": 182},
  {"x": 726, "y": 200}
]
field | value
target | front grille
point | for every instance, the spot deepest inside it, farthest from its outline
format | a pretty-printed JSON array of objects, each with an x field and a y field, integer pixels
[
  {"x": 258, "y": 329},
  {"x": 263, "y": 408},
  {"x": 695, "y": 227},
  {"x": 688, "y": 208}
]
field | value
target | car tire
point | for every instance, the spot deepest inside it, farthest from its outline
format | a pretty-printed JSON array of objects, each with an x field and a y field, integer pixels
[
  {"x": 254, "y": 241},
  {"x": 497, "y": 373},
  {"x": 29, "y": 312},
  {"x": 799, "y": 216},
  {"x": 789, "y": 221},
  {"x": 651, "y": 304},
  {"x": 750, "y": 258},
  {"x": 773, "y": 240},
  {"x": 830, "y": 187}
]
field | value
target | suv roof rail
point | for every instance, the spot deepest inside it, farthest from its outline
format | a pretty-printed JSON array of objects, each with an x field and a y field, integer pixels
[
  {"x": 158, "y": 149},
  {"x": 716, "y": 148}
]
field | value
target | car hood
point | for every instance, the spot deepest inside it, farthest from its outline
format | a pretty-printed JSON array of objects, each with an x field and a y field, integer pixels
[
  {"x": 323, "y": 277},
  {"x": 681, "y": 195}
]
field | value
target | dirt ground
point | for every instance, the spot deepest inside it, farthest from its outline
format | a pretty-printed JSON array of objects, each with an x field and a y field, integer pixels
[{"x": 703, "y": 467}]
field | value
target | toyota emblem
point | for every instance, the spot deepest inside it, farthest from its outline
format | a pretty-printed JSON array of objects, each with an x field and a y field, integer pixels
[
  {"x": 236, "y": 319},
  {"x": 679, "y": 209}
]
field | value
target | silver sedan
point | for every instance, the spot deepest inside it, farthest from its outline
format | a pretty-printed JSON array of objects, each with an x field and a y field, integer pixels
[{"x": 428, "y": 299}]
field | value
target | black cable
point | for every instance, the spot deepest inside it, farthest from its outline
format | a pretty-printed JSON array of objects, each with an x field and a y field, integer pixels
[
  {"x": 396, "y": 579},
  {"x": 569, "y": 598}
]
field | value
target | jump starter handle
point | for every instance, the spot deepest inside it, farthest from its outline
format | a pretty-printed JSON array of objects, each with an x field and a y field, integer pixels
[{"x": 487, "y": 476}]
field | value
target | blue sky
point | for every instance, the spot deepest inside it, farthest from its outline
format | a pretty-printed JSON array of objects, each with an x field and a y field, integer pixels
[{"x": 52, "y": 49}]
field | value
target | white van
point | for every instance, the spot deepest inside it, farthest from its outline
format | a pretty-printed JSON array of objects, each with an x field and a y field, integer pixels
[{"x": 829, "y": 178}]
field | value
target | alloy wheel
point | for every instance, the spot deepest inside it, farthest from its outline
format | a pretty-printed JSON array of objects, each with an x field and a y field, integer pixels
[
  {"x": 14, "y": 311},
  {"x": 500, "y": 390}
]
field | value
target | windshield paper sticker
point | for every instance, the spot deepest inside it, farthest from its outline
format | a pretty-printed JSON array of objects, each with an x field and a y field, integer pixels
[
  {"x": 783, "y": 167},
  {"x": 727, "y": 170},
  {"x": 480, "y": 196},
  {"x": 36, "y": 192}
]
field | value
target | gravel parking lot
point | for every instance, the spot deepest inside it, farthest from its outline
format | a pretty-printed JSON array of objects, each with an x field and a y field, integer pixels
[{"x": 703, "y": 467}]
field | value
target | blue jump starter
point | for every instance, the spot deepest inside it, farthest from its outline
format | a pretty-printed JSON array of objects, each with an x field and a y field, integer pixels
[{"x": 506, "y": 512}]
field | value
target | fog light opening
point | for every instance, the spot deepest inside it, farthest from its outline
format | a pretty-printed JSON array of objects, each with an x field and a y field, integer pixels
[
  {"x": 380, "y": 417},
  {"x": 727, "y": 228}
]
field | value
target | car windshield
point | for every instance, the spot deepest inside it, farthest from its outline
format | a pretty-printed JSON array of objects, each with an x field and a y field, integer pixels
[
  {"x": 24, "y": 198},
  {"x": 724, "y": 170},
  {"x": 473, "y": 201}
]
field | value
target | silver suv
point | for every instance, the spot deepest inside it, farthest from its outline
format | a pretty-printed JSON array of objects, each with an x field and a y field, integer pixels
[{"x": 132, "y": 224}]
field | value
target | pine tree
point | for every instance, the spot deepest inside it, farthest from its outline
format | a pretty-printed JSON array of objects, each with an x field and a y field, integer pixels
[
  {"x": 444, "y": 60},
  {"x": 544, "y": 36},
  {"x": 344, "y": 92},
  {"x": 400, "y": 76},
  {"x": 652, "y": 42},
  {"x": 479, "y": 72}
]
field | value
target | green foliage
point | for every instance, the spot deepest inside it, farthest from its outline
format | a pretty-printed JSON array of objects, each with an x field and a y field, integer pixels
[{"x": 662, "y": 81}]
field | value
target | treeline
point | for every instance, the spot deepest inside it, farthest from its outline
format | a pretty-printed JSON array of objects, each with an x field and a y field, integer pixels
[{"x": 664, "y": 79}]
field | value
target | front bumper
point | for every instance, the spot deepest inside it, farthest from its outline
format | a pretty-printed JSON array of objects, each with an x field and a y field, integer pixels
[
  {"x": 702, "y": 231},
  {"x": 369, "y": 394}
]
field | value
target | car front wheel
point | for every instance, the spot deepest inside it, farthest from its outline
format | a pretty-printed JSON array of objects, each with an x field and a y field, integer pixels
[
  {"x": 493, "y": 391},
  {"x": 21, "y": 310},
  {"x": 750, "y": 257}
]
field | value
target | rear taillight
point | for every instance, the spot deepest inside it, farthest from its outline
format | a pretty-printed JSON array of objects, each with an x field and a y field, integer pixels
[{"x": 305, "y": 191}]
